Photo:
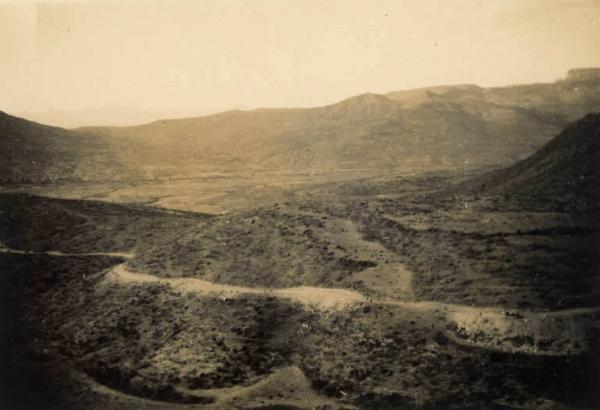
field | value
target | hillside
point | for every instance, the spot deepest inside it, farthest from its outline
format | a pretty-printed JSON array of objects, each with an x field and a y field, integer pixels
[
  {"x": 32, "y": 152},
  {"x": 565, "y": 171}
]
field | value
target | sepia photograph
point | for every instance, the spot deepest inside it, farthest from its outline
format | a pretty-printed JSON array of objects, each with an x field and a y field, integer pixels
[{"x": 299, "y": 204}]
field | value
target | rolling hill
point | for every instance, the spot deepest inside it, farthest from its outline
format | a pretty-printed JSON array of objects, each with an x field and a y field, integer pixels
[{"x": 37, "y": 153}]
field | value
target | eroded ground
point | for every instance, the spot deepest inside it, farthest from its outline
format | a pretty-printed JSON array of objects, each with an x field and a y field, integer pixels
[{"x": 363, "y": 294}]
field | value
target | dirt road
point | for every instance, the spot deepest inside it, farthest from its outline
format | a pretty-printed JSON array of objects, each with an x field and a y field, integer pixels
[
  {"x": 320, "y": 298},
  {"x": 546, "y": 333},
  {"x": 533, "y": 332},
  {"x": 125, "y": 255}
]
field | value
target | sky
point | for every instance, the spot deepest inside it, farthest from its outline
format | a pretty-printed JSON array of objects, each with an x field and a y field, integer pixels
[{"x": 210, "y": 55}]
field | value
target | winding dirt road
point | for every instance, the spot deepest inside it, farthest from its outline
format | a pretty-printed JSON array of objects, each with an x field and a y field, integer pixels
[
  {"x": 321, "y": 298},
  {"x": 533, "y": 332},
  {"x": 543, "y": 333}
]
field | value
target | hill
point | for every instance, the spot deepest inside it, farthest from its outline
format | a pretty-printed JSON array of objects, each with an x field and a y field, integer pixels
[
  {"x": 32, "y": 152},
  {"x": 564, "y": 172}
]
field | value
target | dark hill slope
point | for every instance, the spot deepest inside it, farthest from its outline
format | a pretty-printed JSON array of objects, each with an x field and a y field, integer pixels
[
  {"x": 29, "y": 222},
  {"x": 32, "y": 152},
  {"x": 565, "y": 171}
]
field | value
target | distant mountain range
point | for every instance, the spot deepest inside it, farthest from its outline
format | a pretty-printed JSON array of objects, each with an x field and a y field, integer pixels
[{"x": 429, "y": 128}]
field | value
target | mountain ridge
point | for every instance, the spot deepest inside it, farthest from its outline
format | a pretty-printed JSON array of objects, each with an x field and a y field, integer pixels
[{"x": 441, "y": 127}]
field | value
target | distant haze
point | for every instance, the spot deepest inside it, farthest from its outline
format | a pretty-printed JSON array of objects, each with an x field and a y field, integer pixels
[
  {"x": 67, "y": 60},
  {"x": 117, "y": 116}
]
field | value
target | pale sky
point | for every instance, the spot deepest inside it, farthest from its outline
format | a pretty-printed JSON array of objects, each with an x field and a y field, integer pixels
[{"x": 203, "y": 55}]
